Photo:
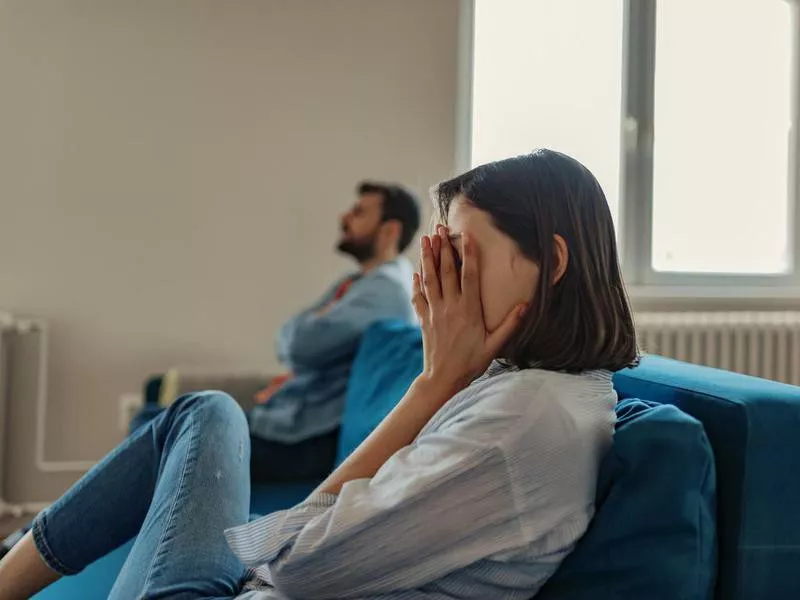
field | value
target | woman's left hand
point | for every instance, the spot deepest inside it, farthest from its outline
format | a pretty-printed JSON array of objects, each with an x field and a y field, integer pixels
[
  {"x": 457, "y": 349},
  {"x": 456, "y": 344}
]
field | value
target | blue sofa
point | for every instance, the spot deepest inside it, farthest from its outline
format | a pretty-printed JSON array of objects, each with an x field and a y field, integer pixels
[{"x": 747, "y": 549}]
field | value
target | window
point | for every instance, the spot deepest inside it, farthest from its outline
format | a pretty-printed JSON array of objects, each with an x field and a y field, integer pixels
[
  {"x": 721, "y": 144},
  {"x": 521, "y": 97},
  {"x": 683, "y": 109}
]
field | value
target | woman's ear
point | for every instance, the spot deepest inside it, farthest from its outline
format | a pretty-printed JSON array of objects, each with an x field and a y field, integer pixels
[{"x": 560, "y": 258}]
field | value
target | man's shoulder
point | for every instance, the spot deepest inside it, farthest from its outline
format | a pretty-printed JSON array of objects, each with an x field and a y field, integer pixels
[
  {"x": 397, "y": 270},
  {"x": 388, "y": 284}
]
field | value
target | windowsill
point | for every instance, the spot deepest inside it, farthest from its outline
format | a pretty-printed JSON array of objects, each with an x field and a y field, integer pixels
[{"x": 726, "y": 293}]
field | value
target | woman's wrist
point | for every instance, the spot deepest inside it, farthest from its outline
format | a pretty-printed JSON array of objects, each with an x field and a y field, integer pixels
[
  {"x": 399, "y": 429},
  {"x": 437, "y": 388}
]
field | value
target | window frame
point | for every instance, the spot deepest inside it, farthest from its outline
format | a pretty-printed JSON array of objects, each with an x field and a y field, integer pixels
[{"x": 636, "y": 163}]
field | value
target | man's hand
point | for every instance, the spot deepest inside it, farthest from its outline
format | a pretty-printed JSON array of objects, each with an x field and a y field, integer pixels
[{"x": 264, "y": 396}]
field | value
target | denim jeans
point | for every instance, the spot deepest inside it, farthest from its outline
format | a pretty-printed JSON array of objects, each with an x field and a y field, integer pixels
[
  {"x": 176, "y": 483},
  {"x": 275, "y": 462}
]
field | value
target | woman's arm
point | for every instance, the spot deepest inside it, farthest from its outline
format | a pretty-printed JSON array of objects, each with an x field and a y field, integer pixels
[
  {"x": 457, "y": 348},
  {"x": 435, "y": 506},
  {"x": 389, "y": 512},
  {"x": 396, "y": 431}
]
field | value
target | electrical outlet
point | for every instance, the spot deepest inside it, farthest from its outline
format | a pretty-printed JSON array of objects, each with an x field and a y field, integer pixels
[{"x": 129, "y": 405}]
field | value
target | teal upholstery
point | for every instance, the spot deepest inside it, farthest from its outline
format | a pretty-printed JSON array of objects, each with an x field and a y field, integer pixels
[
  {"x": 754, "y": 427},
  {"x": 654, "y": 533}
]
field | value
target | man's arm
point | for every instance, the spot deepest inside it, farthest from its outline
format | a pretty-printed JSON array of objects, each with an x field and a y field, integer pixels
[
  {"x": 314, "y": 339},
  {"x": 285, "y": 332}
]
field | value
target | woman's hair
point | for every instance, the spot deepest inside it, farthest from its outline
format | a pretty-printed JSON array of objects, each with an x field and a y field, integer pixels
[{"x": 583, "y": 321}]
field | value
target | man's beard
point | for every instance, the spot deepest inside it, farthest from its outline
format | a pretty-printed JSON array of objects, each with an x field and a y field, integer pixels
[{"x": 362, "y": 250}]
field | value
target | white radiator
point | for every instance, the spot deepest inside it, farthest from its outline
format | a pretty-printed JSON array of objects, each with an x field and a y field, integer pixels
[
  {"x": 13, "y": 329},
  {"x": 764, "y": 344},
  {"x": 7, "y": 325}
]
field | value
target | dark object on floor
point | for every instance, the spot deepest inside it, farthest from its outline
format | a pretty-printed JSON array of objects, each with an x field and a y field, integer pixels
[{"x": 8, "y": 543}]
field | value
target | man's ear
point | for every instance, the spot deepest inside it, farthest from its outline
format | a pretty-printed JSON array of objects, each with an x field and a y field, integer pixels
[
  {"x": 560, "y": 258},
  {"x": 391, "y": 231}
]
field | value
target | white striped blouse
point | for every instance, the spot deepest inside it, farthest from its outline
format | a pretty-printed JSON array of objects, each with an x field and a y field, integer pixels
[{"x": 485, "y": 504}]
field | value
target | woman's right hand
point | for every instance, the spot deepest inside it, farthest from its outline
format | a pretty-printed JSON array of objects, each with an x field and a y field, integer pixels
[{"x": 457, "y": 346}]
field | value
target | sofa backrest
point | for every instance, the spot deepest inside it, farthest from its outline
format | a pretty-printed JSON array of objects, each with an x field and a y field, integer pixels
[
  {"x": 754, "y": 428},
  {"x": 388, "y": 360}
]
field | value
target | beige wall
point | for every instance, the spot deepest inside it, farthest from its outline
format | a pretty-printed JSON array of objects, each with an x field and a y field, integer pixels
[{"x": 171, "y": 173}]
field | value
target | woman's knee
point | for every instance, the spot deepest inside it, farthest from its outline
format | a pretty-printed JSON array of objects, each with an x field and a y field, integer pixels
[{"x": 212, "y": 408}]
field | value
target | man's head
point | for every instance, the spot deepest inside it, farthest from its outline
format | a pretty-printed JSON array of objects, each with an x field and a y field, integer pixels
[{"x": 381, "y": 223}]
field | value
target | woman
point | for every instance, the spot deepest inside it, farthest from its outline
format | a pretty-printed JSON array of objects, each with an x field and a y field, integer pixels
[{"x": 476, "y": 485}]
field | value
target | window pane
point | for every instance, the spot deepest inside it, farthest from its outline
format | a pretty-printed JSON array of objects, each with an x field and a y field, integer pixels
[
  {"x": 547, "y": 73},
  {"x": 722, "y": 121}
]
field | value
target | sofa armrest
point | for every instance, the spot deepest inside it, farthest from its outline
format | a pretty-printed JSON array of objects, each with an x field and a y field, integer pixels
[{"x": 176, "y": 382}]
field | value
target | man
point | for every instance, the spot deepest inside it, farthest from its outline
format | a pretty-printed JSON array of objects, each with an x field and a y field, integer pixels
[{"x": 294, "y": 426}]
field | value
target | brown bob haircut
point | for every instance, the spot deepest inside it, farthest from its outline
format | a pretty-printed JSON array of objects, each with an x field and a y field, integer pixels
[{"x": 584, "y": 320}]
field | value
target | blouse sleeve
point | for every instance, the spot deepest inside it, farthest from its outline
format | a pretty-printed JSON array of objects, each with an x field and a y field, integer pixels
[{"x": 434, "y": 507}]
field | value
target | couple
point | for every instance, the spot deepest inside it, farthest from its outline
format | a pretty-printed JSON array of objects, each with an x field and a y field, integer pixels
[{"x": 476, "y": 485}]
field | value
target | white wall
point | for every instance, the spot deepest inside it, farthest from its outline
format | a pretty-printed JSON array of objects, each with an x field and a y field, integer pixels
[{"x": 171, "y": 173}]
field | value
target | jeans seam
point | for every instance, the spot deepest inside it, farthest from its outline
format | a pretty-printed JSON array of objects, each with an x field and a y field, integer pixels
[
  {"x": 175, "y": 502},
  {"x": 44, "y": 549}
]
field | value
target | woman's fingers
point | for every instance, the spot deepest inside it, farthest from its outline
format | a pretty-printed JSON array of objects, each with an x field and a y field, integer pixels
[
  {"x": 451, "y": 288},
  {"x": 418, "y": 298},
  {"x": 436, "y": 246},
  {"x": 430, "y": 278}
]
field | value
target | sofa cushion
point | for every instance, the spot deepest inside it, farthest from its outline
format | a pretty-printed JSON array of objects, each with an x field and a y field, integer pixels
[
  {"x": 94, "y": 582},
  {"x": 753, "y": 427},
  {"x": 389, "y": 358},
  {"x": 653, "y": 535},
  {"x": 268, "y": 498}
]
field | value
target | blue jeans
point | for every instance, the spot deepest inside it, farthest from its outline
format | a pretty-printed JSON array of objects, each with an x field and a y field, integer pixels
[
  {"x": 306, "y": 461},
  {"x": 176, "y": 483}
]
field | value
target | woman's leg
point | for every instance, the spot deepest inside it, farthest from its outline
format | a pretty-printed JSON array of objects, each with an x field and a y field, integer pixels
[
  {"x": 23, "y": 572},
  {"x": 178, "y": 482},
  {"x": 203, "y": 489}
]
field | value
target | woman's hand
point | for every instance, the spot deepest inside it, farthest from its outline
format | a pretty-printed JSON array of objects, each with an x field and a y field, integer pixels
[
  {"x": 457, "y": 346},
  {"x": 457, "y": 350}
]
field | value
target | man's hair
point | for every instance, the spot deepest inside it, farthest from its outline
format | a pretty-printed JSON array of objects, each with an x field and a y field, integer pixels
[
  {"x": 583, "y": 321},
  {"x": 398, "y": 204}
]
